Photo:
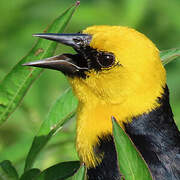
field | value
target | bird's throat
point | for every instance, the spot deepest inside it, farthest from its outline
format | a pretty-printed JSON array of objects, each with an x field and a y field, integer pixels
[
  {"x": 91, "y": 127},
  {"x": 95, "y": 112},
  {"x": 94, "y": 122}
]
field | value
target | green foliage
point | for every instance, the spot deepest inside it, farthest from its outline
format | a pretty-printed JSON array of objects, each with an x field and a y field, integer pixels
[
  {"x": 169, "y": 55},
  {"x": 17, "y": 82},
  {"x": 80, "y": 175},
  {"x": 131, "y": 164},
  {"x": 59, "y": 171},
  {"x": 31, "y": 174},
  {"x": 7, "y": 171},
  {"x": 63, "y": 109},
  {"x": 13, "y": 89},
  {"x": 23, "y": 18}
]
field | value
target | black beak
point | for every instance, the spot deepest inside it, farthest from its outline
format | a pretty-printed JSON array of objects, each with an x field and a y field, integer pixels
[{"x": 71, "y": 65}]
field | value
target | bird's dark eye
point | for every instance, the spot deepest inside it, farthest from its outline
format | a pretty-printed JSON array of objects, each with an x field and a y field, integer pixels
[{"x": 105, "y": 60}]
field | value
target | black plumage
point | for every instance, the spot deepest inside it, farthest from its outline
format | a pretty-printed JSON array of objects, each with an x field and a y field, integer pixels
[
  {"x": 108, "y": 169},
  {"x": 157, "y": 137}
]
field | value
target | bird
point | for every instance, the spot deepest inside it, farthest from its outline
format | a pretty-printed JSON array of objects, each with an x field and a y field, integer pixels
[{"x": 117, "y": 72}]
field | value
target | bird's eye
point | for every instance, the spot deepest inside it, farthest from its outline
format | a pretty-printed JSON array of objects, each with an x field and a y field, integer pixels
[{"x": 105, "y": 60}]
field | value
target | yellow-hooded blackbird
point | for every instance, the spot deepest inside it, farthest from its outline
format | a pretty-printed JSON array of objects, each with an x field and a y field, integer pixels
[{"x": 117, "y": 72}]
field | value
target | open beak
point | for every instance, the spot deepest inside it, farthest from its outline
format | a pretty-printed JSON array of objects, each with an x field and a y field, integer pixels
[{"x": 69, "y": 64}]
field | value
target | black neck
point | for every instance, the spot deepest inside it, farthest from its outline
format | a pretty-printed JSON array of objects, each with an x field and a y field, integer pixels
[
  {"x": 108, "y": 168},
  {"x": 157, "y": 138}
]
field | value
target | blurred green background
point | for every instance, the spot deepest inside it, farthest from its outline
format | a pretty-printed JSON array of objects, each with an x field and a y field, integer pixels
[{"x": 159, "y": 20}]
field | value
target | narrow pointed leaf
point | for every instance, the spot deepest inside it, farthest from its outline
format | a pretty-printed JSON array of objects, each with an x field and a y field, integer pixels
[
  {"x": 131, "y": 164},
  {"x": 168, "y": 55},
  {"x": 59, "y": 171},
  {"x": 31, "y": 174},
  {"x": 63, "y": 109},
  {"x": 80, "y": 174},
  {"x": 17, "y": 82},
  {"x": 7, "y": 171}
]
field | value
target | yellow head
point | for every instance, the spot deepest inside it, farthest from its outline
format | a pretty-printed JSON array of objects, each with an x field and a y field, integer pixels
[{"x": 136, "y": 75}]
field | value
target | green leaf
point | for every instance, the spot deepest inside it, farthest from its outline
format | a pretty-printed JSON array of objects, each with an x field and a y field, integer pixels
[
  {"x": 80, "y": 174},
  {"x": 63, "y": 109},
  {"x": 31, "y": 174},
  {"x": 131, "y": 164},
  {"x": 18, "y": 81},
  {"x": 169, "y": 55},
  {"x": 7, "y": 171},
  {"x": 59, "y": 171}
]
